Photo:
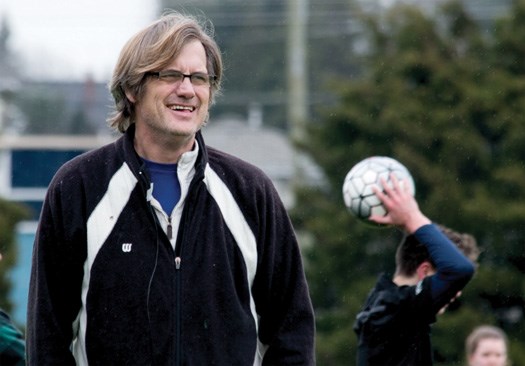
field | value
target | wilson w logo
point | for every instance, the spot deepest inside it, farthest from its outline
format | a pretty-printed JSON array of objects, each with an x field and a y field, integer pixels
[{"x": 126, "y": 247}]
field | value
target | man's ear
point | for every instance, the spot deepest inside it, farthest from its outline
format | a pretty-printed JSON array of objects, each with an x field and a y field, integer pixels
[
  {"x": 130, "y": 96},
  {"x": 424, "y": 269}
]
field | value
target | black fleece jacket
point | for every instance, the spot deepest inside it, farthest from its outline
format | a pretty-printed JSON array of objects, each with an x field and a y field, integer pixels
[{"x": 107, "y": 287}]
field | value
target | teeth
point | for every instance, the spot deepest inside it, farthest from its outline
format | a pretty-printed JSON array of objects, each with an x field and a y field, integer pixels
[{"x": 181, "y": 108}]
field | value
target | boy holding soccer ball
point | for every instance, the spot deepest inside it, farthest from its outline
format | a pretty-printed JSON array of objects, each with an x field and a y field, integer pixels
[{"x": 433, "y": 264}]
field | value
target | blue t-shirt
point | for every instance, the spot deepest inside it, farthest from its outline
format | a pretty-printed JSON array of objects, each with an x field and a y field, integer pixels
[{"x": 166, "y": 186}]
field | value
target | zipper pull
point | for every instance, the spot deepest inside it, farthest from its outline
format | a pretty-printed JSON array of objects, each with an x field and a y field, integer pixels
[
  {"x": 177, "y": 262},
  {"x": 170, "y": 229}
]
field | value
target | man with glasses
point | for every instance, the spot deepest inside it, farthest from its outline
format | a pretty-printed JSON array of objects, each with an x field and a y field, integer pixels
[{"x": 157, "y": 249}]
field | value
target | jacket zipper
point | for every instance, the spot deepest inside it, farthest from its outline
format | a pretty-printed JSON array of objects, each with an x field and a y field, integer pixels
[
  {"x": 169, "y": 234},
  {"x": 178, "y": 317},
  {"x": 169, "y": 229},
  {"x": 178, "y": 313},
  {"x": 178, "y": 282}
]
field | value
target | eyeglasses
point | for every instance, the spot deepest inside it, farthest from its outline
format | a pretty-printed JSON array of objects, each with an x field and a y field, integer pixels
[{"x": 175, "y": 77}]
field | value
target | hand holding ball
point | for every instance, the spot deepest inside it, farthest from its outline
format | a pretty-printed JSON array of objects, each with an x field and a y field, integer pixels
[{"x": 358, "y": 194}]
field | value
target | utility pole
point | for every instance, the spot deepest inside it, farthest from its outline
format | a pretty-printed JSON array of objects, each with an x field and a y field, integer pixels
[
  {"x": 297, "y": 81},
  {"x": 297, "y": 68}
]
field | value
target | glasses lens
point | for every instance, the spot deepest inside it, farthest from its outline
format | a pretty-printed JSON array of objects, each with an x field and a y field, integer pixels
[
  {"x": 172, "y": 76},
  {"x": 199, "y": 79}
]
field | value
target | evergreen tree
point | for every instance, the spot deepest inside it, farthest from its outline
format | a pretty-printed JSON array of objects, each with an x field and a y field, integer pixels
[{"x": 442, "y": 98}]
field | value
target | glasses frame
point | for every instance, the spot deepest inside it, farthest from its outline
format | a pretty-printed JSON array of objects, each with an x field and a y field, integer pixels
[{"x": 176, "y": 77}]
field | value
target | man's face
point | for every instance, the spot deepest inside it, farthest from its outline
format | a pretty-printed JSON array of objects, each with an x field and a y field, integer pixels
[{"x": 170, "y": 109}]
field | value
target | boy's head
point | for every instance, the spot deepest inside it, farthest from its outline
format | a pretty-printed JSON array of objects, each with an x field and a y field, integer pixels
[{"x": 411, "y": 253}]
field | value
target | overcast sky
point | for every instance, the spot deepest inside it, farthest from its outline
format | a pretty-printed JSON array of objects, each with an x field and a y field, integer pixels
[{"x": 64, "y": 39}]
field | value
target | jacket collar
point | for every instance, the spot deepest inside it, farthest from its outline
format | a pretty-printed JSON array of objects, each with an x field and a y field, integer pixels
[{"x": 130, "y": 156}]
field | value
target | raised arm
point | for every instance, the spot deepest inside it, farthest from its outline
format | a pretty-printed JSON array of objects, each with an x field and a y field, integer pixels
[{"x": 453, "y": 269}]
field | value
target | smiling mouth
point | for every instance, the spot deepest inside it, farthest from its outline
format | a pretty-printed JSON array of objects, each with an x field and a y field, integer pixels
[{"x": 177, "y": 107}]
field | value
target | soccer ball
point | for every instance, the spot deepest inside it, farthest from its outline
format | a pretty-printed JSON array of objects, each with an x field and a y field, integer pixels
[{"x": 358, "y": 195}]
